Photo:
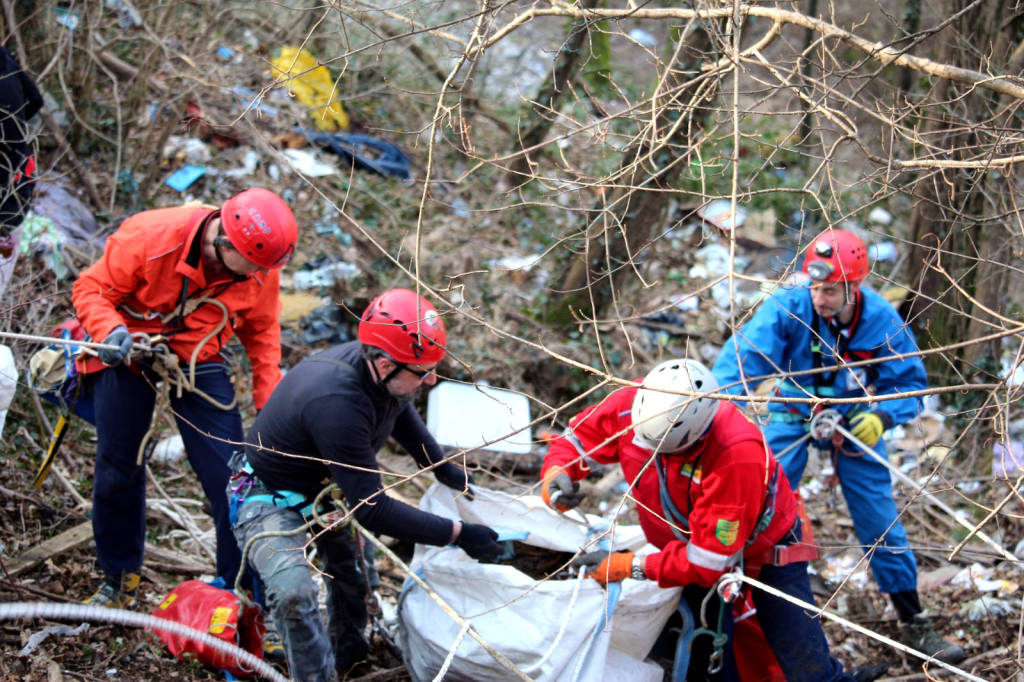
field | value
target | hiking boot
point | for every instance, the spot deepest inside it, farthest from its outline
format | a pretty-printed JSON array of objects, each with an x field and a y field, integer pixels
[
  {"x": 920, "y": 634},
  {"x": 116, "y": 593},
  {"x": 273, "y": 648},
  {"x": 869, "y": 673}
]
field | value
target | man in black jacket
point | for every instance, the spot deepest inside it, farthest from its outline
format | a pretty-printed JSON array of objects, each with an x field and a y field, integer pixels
[
  {"x": 326, "y": 421},
  {"x": 19, "y": 101}
]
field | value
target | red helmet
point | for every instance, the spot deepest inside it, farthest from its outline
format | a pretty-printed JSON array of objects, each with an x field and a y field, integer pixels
[
  {"x": 260, "y": 226},
  {"x": 836, "y": 256},
  {"x": 405, "y": 326}
]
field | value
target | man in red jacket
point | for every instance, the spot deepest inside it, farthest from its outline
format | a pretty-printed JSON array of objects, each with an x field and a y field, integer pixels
[
  {"x": 711, "y": 496},
  {"x": 196, "y": 276}
]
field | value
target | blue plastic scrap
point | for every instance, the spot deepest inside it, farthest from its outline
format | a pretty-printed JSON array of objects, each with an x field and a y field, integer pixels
[
  {"x": 182, "y": 178},
  {"x": 363, "y": 151}
]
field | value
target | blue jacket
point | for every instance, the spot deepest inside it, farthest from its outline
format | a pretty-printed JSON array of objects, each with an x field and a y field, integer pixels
[{"x": 785, "y": 335}]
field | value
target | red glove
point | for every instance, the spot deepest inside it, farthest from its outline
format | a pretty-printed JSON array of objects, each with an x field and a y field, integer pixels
[{"x": 606, "y": 568}]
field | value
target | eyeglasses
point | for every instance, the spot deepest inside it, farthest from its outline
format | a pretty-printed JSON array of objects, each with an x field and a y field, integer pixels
[{"x": 421, "y": 374}]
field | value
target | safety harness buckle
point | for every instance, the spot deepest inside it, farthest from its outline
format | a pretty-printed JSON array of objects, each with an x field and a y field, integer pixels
[{"x": 791, "y": 554}]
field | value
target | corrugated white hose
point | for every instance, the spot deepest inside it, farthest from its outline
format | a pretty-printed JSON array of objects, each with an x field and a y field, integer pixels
[
  {"x": 87, "y": 612},
  {"x": 849, "y": 624}
]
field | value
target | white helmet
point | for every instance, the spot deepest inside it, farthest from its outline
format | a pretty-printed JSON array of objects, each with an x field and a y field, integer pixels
[{"x": 667, "y": 422}]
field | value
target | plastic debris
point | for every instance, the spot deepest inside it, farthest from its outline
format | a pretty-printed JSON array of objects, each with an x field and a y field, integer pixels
[
  {"x": 310, "y": 82},
  {"x": 1008, "y": 462},
  {"x": 324, "y": 323},
  {"x": 987, "y": 607},
  {"x": 644, "y": 38},
  {"x": 248, "y": 167},
  {"x": 37, "y": 638},
  {"x": 253, "y": 100},
  {"x": 720, "y": 214},
  {"x": 127, "y": 16},
  {"x": 879, "y": 216},
  {"x": 191, "y": 150},
  {"x": 308, "y": 164},
  {"x": 170, "y": 449},
  {"x": 685, "y": 302},
  {"x": 363, "y": 151},
  {"x": 182, "y": 178},
  {"x": 225, "y": 53},
  {"x": 66, "y": 18},
  {"x": 41, "y": 235},
  {"x": 323, "y": 272},
  {"x": 883, "y": 252}
]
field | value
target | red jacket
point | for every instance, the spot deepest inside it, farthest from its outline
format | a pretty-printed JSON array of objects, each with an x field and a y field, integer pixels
[
  {"x": 140, "y": 279},
  {"x": 720, "y": 486}
]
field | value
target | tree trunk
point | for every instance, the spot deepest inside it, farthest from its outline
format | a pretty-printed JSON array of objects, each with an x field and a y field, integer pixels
[{"x": 638, "y": 201}]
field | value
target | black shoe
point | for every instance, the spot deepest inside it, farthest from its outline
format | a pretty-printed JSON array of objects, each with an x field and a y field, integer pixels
[
  {"x": 920, "y": 634},
  {"x": 868, "y": 673}
]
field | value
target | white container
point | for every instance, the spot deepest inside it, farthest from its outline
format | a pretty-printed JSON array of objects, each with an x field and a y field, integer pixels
[{"x": 469, "y": 416}]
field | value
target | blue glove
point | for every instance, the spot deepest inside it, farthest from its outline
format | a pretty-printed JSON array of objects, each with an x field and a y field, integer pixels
[{"x": 120, "y": 337}]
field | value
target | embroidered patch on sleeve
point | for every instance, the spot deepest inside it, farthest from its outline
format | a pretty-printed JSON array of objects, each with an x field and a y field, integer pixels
[{"x": 726, "y": 531}]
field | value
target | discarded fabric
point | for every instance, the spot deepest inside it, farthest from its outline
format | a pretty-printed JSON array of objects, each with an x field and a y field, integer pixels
[{"x": 363, "y": 152}]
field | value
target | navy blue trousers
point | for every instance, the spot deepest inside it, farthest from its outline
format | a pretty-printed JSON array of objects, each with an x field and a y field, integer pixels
[{"x": 124, "y": 403}]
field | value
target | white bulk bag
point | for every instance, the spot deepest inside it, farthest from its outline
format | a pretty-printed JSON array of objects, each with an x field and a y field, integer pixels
[
  {"x": 8, "y": 382},
  {"x": 558, "y": 630}
]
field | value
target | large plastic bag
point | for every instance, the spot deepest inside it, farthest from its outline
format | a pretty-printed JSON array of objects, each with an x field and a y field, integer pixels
[{"x": 566, "y": 630}]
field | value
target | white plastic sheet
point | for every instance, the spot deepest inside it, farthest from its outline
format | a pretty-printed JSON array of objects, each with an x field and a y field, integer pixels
[{"x": 528, "y": 621}]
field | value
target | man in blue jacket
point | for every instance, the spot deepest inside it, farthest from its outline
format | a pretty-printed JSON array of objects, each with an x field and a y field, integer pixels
[{"x": 833, "y": 321}]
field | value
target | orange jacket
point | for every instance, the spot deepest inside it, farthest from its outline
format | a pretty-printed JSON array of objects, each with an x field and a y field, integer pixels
[{"x": 139, "y": 282}]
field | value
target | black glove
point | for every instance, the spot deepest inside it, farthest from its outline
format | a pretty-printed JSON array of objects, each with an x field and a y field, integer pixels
[
  {"x": 559, "y": 491},
  {"x": 120, "y": 337},
  {"x": 455, "y": 477},
  {"x": 479, "y": 542}
]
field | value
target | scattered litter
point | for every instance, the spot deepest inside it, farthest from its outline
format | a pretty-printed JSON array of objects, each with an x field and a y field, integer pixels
[
  {"x": 987, "y": 607},
  {"x": 879, "y": 216},
  {"x": 295, "y": 306},
  {"x": 325, "y": 323},
  {"x": 969, "y": 576},
  {"x": 644, "y": 38},
  {"x": 253, "y": 100},
  {"x": 460, "y": 208},
  {"x": 715, "y": 260},
  {"x": 248, "y": 167},
  {"x": 181, "y": 179},
  {"x": 170, "y": 449},
  {"x": 191, "y": 150},
  {"x": 41, "y": 236},
  {"x": 66, "y": 18},
  {"x": 720, "y": 214},
  {"x": 934, "y": 579},
  {"x": 846, "y": 567},
  {"x": 310, "y": 82},
  {"x": 127, "y": 16},
  {"x": 71, "y": 216},
  {"x": 225, "y": 53},
  {"x": 323, "y": 272},
  {"x": 1008, "y": 462},
  {"x": 306, "y": 163},
  {"x": 37, "y": 638},
  {"x": 363, "y": 151},
  {"x": 685, "y": 302},
  {"x": 883, "y": 252}
]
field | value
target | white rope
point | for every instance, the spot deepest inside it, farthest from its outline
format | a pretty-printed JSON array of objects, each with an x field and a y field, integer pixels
[
  {"x": 451, "y": 653},
  {"x": 849, "y": 624},
  {"x": 87, "y": 612},
  {"x": 565, "y": 623}
]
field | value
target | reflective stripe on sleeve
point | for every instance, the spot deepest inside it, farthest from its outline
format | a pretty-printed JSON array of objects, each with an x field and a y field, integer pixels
[{"x": 698, "y": 556}]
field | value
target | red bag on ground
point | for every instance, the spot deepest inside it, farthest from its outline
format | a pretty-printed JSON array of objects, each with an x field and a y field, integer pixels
[{"x": 220, "y": 614}]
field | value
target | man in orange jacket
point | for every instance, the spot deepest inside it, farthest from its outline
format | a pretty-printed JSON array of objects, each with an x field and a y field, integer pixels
[{"x": 196, "y": 276}]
